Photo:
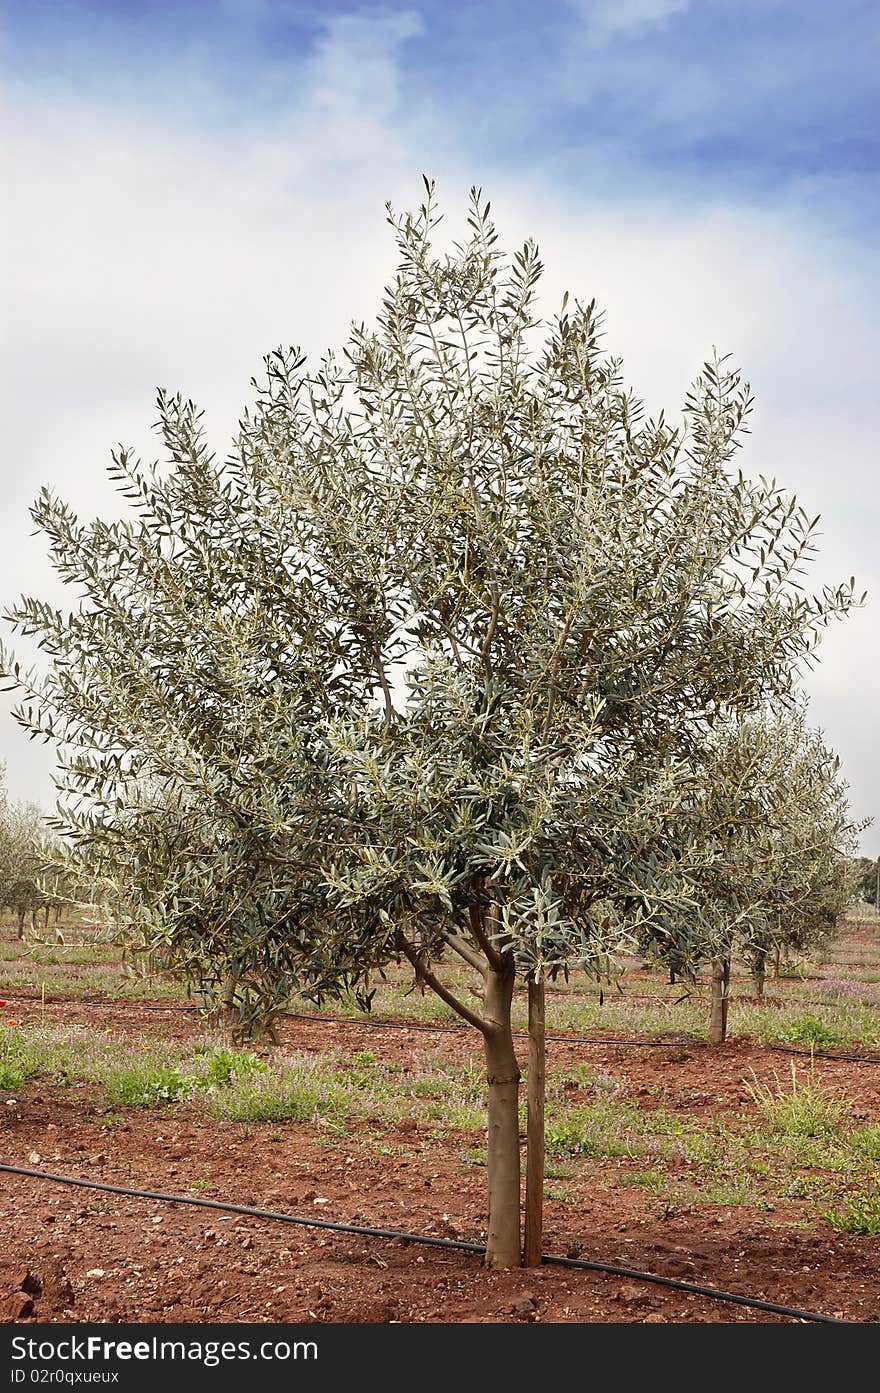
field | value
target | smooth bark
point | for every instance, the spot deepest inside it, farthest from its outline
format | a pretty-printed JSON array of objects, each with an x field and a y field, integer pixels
[
  {"x": 720, "y": 982},
  {"x": 503, "y": 1245},
  {"x": 759, "y": 972},
  {"x": 535, "y": 1094}
]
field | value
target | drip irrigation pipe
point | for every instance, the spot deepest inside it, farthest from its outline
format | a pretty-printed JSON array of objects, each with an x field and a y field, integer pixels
[
  {"x": 676, "y": 1044},
  {"x": 681, "y": 1042},
  {"x": 581, "y": 1264},
  {"x": 351, "y": 1020},
  {"x": 112, "y": 1001},
  {"x": 826, "y": 1054}
]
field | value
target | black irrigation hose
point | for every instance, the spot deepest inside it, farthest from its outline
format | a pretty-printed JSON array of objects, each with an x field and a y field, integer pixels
[
  {"x": 99, "y": 1001},
  {"x": 351, "y": 1020},
  {"x": 460, "y": 1244},
  {"x": 680, "y": 1042},
  {"x": 676, "y": 1044},
  {"x": 826, "y": 1054}
]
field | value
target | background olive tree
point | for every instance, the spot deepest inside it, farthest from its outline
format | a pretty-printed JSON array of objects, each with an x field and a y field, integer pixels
[
  {"x": 766, "y": 854},
  {"x": 867, "y": 873},
  {"x": 28, "y": 884},
  {"x": 420, "y": 671}
]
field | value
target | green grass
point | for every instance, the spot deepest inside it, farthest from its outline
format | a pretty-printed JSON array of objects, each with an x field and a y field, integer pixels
[
  {"x": 12, "y": 1076},
  {"x": 835, "y": 1025},
  {"x": 807, "y": 1029},
  {"x": 146, "y": 1085},
  {"x": 86, "y": 969},
  {"x": 654, "y": 1181},
  {"x": 860, "y": 1214},
  {"x": 795, "y": 1142},
  {"x": 745, "y": 1158},
  {"x": 601, "y": 1129},
  {"x": 284, "y": 1098},
  {"x": 82, "y": 981},
  {"x": 865, "y": 1141},
  {"x": 810, "y": 1187},
  {"x": 240, "y": 1086},
  {"x": 554, "y": 1171},
  {"x": 804, "y": 1110},
  {"x": 555, "y": 1193},
  {"x": 731, "y": 1191}
]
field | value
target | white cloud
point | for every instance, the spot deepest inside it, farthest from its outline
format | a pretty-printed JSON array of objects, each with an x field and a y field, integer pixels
[
  {"x": 606, "y": 19},
  {"x": 151, "y": 253},
  {"x": 354, "y": 69}
]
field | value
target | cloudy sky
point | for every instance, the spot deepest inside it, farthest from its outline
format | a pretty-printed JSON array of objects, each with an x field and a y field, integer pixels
[{"x": 188, "y": 183}]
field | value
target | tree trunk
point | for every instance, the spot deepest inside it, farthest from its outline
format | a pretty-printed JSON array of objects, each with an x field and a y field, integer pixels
[
  {"x": 225, "y": 1014},
  {"x": 776, "y": 958},
  {"x": 759, "y": 971},
  {"x": 720, "y": 982},
  {"x": 503, "y": 1246},
  {"x": 535, "y": 1092}
]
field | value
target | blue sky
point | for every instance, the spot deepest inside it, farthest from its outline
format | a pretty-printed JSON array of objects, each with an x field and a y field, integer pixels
[
  {"x": 765, "y": 97},
  {"x": 195, "y": 183}
]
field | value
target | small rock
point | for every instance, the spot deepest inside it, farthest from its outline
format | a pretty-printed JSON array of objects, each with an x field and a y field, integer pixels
[
  {"x": 630, "y": 1294},
  {"x": 96, "y": 1272},
  {"x": 654, "y": 1318},
  {"x": 19, "y": 1306},
  {"x": 34, "y": 1158},
  {"x": 522, "y": 1305},
  {"x": 28, "y": 1281}
]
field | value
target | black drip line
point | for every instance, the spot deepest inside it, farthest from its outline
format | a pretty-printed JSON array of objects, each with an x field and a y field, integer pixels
[
  {"x": 677, "y": 1043},
  {"x": 118, "y": 1003},
  {"x": 582, "y": 1264}
]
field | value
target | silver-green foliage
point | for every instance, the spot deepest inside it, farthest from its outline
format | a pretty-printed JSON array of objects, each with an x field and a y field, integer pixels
[
  {"x": 423, "y": 666},
  {"x": 28, "y": 883},
  {"x": 766, "y": 861}
]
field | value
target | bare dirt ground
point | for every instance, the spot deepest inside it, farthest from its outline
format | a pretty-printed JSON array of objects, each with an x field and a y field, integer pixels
[{"x": 69, "y": 1254}]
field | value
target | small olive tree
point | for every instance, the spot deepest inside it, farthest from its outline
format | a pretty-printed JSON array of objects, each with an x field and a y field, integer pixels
[
  {"x": 27, "y": 885},
  {"x": 419, "y": 672},
  {"x": 807, "y": 844},
  {"x": 866, "y": 874},
  {"x": 766, "y": 852}
]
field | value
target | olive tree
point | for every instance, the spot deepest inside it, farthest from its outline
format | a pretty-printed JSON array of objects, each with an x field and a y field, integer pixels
[
  {"x": 765, "y": 855},
  {"x": 27, "y": 885},
  {"x": 419, "y": 671},
  {"x": 806, "y": 845},
  {"x": 867, "y": 880}
]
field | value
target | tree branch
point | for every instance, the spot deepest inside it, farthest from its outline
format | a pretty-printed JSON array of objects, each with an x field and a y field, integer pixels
[
  {"x": 486, "y": 649},
  {"x": 464, "y": 950},
  {"x": 488, "y": 947},
  {"x": 554, "y": 671},
  {"x": 425, "y": 975},
  {"x": 383, "y": 682}
]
